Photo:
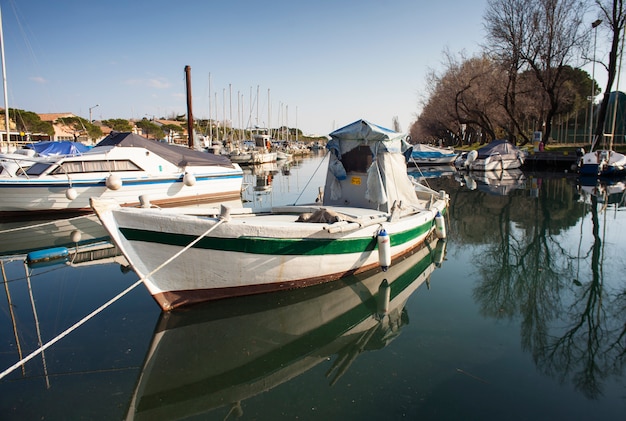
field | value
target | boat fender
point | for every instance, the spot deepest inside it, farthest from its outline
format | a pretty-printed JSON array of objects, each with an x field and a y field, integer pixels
[
  {"x": 189, "y": 179},
  {"x": 471, "y": 157},
  {"x": 51, "y": 255},
  {"x": 440, "y": 225},
  {"x": 439, "y": 253},
  {"x": 384, "y": 250},
  {"x": 114, "y": 182},
  {"x": 383, "y": 298},
  {"x": 76, "y": 236},
  {"x": 71, "y": 193}
]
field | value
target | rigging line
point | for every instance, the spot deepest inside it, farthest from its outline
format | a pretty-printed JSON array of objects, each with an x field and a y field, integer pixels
[
  {"x": 314, "y": 172},
  {"x": 107, "y": 304}
]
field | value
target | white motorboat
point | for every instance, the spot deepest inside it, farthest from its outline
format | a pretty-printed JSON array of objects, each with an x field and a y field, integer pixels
[
  {"x": 122, "y": 167},
  {"x": 423, "y": 154},
  {"x": 497, "y": 155}
]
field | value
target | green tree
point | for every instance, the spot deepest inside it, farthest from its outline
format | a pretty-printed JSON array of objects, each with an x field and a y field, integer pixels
[
  {"x": 27, "y": 121},
  {"x": 118, "y": 124},
  {"x": 82, "y": 127},
  {"x": 150, "y": 129}
]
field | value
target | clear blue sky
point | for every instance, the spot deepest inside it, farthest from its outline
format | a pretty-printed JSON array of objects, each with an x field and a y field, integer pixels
[{"x": 326, "y": 63}]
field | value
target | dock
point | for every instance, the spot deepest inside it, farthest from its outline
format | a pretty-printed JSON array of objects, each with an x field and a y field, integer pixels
[{"x": 559, "y": 161}]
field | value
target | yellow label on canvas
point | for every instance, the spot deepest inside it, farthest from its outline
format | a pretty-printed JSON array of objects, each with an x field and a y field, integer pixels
[{"x": 356, "y": 181}]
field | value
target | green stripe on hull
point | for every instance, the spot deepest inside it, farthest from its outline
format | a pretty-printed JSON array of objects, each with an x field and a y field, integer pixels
[{"x": 274, "y": 246}]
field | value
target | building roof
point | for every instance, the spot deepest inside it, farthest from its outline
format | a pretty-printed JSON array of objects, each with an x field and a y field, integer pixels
[{"x": 54, "y": 116}]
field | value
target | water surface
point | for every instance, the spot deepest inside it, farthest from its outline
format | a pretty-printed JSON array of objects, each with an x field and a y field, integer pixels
[{"x": 523, "y": 319}]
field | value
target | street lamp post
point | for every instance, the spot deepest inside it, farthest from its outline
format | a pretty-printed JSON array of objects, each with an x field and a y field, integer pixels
[
  {"x": 594, "y": 26},
  {"x": 91, "y": 108}
]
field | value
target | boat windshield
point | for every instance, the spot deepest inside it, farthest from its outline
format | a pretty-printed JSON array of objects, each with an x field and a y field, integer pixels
[
  {"x": 73, "y": 167},
  {"x": 38, "y": 168}
]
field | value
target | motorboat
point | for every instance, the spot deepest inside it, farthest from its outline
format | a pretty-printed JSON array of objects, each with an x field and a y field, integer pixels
[
  {"x": 497, "y": 155},
  {"x": 18, "y": 161},
  {"x": 423, "y": 154},
  {"x": 125, "y": 167}
]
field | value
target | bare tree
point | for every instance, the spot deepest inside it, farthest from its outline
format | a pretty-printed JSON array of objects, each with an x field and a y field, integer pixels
[
  {"x": 614, "y": 19},
  {"x": 463, "y": 102},
  {"x": 506, "y": 26},
  {"x": 541, "y": 36}
]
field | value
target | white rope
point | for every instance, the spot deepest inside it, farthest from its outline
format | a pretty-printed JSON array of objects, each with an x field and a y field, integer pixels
[{"x": 105, "y": 305}]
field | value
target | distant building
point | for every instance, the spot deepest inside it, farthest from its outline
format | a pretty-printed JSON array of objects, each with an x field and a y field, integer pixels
[{"x": 64, "y": 131}]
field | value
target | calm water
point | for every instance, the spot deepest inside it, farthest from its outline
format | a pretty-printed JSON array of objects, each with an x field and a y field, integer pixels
[{"x": 523, "y": 320}]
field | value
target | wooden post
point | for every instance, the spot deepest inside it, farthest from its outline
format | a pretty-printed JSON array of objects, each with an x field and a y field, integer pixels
[{"x": 189, "y": 111}]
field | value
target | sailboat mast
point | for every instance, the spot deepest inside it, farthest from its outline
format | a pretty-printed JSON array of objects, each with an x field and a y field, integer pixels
[
  {"x": 4, "y": 84},
  {"x": 189, "y": 112},
  {"x": 210, "y": 123},
  {"x": 616, "y": 101},
  {"x": 269, "y": 114}
]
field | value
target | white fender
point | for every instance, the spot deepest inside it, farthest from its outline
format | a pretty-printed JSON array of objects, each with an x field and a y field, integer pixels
[
  {"x": 384, "y": 250},
  {"x": 114, "y": 182},
  {"x": 471, "y": 157},
  {"x": 71, "y": 193},
  {"x": 383, "y": 298},
  {"x": 76, "y": 236},
  {"x": 189, "y": 179},
  {"x": 440, "y": 225}
]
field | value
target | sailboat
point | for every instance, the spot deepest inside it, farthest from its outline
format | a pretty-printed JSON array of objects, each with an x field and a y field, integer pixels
[
  {"x": 4, "y": 141},
  {"x": 605, "y": 162}
]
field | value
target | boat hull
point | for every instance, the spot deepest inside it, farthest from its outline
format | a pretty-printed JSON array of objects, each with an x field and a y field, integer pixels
[
  {"x": 51, "y": 194},
  {"x": 272, "y": 251},
  {"x": 262, "y": 343},
  {"x": 493, "y": 164}
]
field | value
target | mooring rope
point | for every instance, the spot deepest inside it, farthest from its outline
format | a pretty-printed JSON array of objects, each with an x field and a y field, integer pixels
[{"x": 107, "y": 304}]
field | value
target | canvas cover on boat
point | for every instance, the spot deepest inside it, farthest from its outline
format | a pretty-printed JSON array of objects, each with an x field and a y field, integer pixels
[
  {"x": 65, "y": 147},
  {"x": 423, "y": 151},
  {"x": 502, "y": 147},
  {"x": 365, "y": 150},
  {"x": 177, "y": 155}
]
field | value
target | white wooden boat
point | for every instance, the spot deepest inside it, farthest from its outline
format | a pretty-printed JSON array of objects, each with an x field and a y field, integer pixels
[
  {"x": 497, "y": 155},
  {"x": 123, "y": 167},
  {"x": 428, "y": 155},
  {"x": 371, "y": 214},
  {"x": 223, "y": 354}
]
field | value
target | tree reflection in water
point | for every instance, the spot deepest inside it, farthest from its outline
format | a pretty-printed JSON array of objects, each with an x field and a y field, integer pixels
[{"x": 572, "y": 319}]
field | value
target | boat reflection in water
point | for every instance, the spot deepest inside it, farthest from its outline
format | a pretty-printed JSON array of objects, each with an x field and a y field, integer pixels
[
  {"x": 222, "y": 353},
  {"x": 257, "y": 183},
  {"x": 431, "y": 171},
  {"x": 496, "y": 182},
  {"x": 607, "y": 191}
]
